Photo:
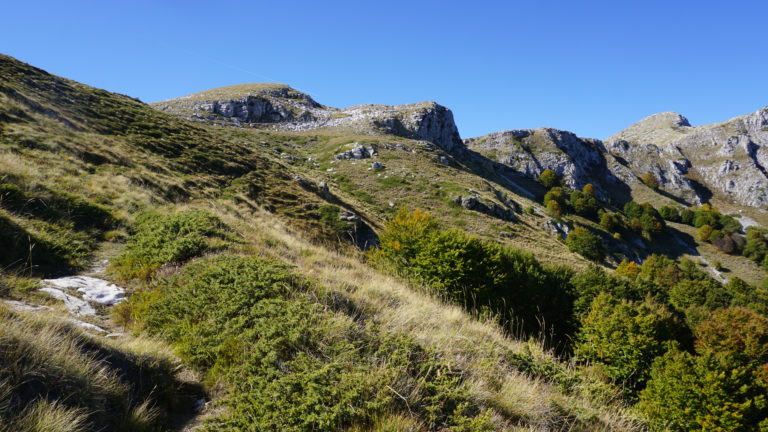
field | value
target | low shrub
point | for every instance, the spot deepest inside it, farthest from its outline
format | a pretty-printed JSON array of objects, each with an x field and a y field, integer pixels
[
  {"x": 160, "y": 239},
  {"x": 288, "y": 362}
]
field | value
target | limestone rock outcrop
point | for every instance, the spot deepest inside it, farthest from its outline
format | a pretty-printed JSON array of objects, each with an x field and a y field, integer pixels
[
  {"x": 280, "y": 107},
  {"x": 694, "y": 163},
  {"x": 578, "y": 161}
]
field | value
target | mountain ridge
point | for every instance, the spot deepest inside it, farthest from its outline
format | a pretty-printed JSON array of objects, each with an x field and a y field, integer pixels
[{"x": 647, "y": 146}]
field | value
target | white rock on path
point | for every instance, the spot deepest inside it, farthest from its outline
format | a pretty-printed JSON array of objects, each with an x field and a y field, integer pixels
[
  {"x": 73, "y": 304},
  {"x": 92, "y": 289},
  {"x": 86, "y": 326},
  {"x": 24, "y": 307}
]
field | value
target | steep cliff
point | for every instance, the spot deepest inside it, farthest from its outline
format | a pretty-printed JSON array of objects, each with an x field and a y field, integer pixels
[
  {"x": 277, "y": 106},
  {"x": 577, "y": 160}
]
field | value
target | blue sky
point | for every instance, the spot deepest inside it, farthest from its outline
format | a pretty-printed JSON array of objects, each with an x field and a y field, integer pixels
[{"x": 592, "y": 67}]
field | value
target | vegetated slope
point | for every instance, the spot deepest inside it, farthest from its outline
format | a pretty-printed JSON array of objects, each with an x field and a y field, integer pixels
[
  {"x": 666, "y": 310},
  {"x": 127, "y": 158},
  {"x": 56, "y": 377}
]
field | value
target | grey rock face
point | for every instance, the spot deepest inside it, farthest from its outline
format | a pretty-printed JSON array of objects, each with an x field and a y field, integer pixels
[
  {"x": 576, "y": 160},
  {"x": 282, "y": 108},
  {"x": 729, "y": 158},
  {"x": 475, "y": 203},
  {"x": 556, "y": 228},
  {"x": 358, "y": 152}
]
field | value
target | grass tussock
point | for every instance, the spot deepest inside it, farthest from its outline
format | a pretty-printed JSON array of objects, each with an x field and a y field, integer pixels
[{"x": 54, "y": 377}]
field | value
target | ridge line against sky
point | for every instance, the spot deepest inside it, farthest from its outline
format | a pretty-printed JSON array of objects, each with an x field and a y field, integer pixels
[{"x": 590, "y": 67}]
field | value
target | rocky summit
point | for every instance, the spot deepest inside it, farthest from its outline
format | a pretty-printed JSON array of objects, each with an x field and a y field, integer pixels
[
  {"x": 691, "y": 164},
  {"x": 696, "y": 162},
  {"x": 284, "y": 108}
]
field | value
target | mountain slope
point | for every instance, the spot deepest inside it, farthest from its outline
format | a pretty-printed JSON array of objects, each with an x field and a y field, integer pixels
[{"x": 129, "y": 167}]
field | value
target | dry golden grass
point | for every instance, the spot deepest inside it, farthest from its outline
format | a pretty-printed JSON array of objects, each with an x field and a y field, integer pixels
[{"x": 55, "y": 377}]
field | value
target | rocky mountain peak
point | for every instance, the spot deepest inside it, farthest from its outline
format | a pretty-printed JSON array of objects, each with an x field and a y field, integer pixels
[
  {"x": 730, "y": 157},
  {"x": 657, "y": 129},
  {"x": 280, "y": 107}
]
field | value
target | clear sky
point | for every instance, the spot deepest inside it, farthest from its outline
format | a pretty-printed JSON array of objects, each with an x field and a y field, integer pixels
[{"x": 592, "y": 67}]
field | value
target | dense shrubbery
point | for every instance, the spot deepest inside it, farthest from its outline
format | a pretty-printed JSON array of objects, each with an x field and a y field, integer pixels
[
  {"x": 290, "y": 363},
  {"x": 586, "y": 244},
  {"x": 756, "y": 246},
  {"x": 161, "y": 239},
  {"x": 712, "y": 226},
  {"x": 481, "y": 275},
  {"x": 626, "y": 336},
  {"x": 644, "y": 218},
  {"x": 582, "y": 202},
  {"x": 639, "y": 328},
  {"x": 720, "y": 387}
]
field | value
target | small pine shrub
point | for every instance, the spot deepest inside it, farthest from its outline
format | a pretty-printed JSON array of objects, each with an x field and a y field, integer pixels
[
  {"x": 288, "y": 362},
  {"x": 160, "y": 239},
  {"x": 549, "y": 179},
  {"x": 650, "y": 180}
]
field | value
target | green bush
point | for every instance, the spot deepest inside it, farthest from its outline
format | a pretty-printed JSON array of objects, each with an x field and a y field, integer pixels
[
  {"x": 549, "y": 178},
  {"x": 669, "y": 213},
  {"x": 610, "y": 222},
  {"x": 625, "y": 337},
  {"x": 481, "y": 275},
  {"x": 590, "y": 283},
  {"x": 756, "y": 247},
  {"x": 687, "y": 216},
  {"x": 644, "y": 218},
  {"x": 650, "y": 180},
  {"x": 584, "y": 202},
  {"x": 160, "y": 239},
  {"x": 721, "y": 388},
  {"x": 586, "y": 244}
]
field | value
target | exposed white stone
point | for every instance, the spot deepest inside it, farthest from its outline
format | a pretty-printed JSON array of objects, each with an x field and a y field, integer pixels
[
  {"x": 87, "y": 326},
  {"x": 92, "y": 289},
  {"x": 74, "y": 305},
  {"x": 19, "y": 306}
]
